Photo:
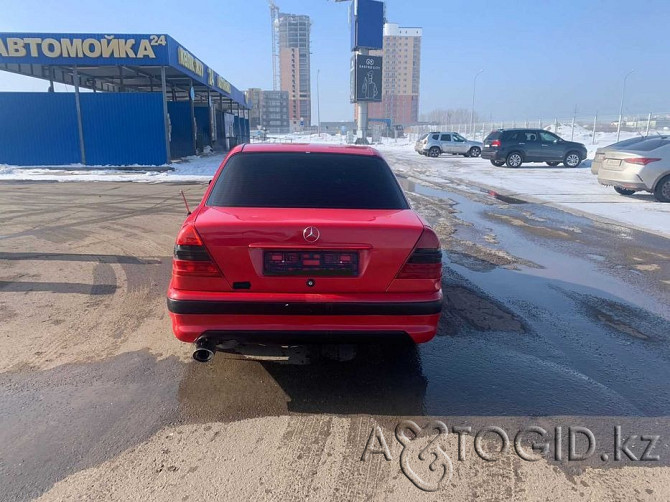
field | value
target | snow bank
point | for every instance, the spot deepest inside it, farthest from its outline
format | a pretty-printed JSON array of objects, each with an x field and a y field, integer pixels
[{"x": 575, "y": 190}]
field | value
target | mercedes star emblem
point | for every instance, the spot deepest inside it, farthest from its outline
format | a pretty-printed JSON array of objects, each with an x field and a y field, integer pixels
[{"x": 311, "y": 234}]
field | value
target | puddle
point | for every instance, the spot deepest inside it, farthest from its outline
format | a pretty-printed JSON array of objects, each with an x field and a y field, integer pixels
[
  {"x": 541, "y": 255},
  {"x": 505, "y": 198},
  {"x": 626, "y": 319}
]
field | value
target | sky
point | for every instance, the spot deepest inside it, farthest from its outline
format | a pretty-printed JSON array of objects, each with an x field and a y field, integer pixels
[{"x": 541, "y": 58}]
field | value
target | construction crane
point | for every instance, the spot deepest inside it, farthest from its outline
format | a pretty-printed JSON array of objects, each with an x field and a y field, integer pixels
[{"x": 274, "y": 19}]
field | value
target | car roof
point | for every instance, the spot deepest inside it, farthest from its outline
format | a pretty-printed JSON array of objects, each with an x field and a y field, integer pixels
[{"x": 306, "y": 148}]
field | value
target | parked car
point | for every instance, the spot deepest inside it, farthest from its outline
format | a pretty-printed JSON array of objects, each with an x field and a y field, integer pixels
[
  {"x": 299, "y": 243},
  {"x": 636, "y": 164},
  {"x": 436, "y": 143},
  {"x": 513, "y": 147}
]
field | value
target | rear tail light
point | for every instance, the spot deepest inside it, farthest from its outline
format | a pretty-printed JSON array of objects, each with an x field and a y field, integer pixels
[
  {"x": 425, "y": 262},
  {"x": 641, "y": 161},
  {"x": 191, "y": 256},
  {"x": 495, "y": 143}
]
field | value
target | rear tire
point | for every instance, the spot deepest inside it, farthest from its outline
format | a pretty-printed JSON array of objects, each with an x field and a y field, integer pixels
[
  {"x": 514, "y": 159},
  {"x": 572, "y": 159},
  {"x": 553, "y": 164},
  {"x": 498, "y": 163},
  {"x": 623, "y": 191},
  {"x": 475, "y": 151},
  {"x": 434, "y": 152},
  {"x": 662, "y": 190}
]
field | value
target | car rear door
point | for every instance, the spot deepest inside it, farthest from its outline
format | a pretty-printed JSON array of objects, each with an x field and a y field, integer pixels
[
  {"x": 446, "y": 143},
  {"x": 531, "y": 145}
]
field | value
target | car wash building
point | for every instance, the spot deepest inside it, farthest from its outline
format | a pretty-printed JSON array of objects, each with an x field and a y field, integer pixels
[{"x": 132, "y": 100}]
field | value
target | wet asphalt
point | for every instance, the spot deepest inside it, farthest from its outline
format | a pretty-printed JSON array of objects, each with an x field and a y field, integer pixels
[{"x": 546, "y": 315}]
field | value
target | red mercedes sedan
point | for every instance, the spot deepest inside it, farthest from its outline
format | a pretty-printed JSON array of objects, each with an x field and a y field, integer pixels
[{"x": 302, "y": 244}]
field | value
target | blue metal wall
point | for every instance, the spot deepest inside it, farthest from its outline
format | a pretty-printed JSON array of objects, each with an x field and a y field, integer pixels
[
  {"x": 181, "y": 136},
  {"x": 123, "y": 129},
  {"x": 245, "y": 130},
  {"x": 118, "y": 129},
  {"x": 38, "y": 129},
  {"x": 220, "y": 128},
  {"x": 203, "y": 129}
]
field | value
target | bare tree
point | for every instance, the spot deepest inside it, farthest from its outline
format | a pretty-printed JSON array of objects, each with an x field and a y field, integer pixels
[{"x": 449, "y": 116}]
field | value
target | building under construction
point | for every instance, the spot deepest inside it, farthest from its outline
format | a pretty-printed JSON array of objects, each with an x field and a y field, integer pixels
[{"x": 291, "y": 64}]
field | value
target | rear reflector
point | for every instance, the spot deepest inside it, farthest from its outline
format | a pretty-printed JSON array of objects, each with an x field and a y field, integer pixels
[
  {"x": 642, "y": 161},
  {"x": 188, "y": 236},
  {"x": 191, "y": 256},
  {"x": 425, "y": 262},
  {"x": 205, "y": 268}
]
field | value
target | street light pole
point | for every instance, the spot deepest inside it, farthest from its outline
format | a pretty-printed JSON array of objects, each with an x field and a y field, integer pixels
[
  {"x": 472, "y": 111},
  {"x": 318, "y": 105},
  {"x": 623, "y": 92}
]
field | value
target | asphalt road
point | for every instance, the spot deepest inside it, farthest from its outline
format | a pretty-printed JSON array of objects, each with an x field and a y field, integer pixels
[{"x": 550, "y": 320}]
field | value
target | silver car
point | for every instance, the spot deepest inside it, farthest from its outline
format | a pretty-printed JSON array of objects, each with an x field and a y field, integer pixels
[
  {"x": 433, "y": 144},
  {"x": 634, "y": 165}
]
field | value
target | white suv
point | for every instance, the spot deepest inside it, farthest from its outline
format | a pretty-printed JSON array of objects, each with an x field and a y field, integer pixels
[{"x": 433, "y": 144}]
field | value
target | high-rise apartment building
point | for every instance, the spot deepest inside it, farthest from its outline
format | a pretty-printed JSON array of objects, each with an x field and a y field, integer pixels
[
  {"x": 269, "y": 110},
  {"x": 253, "y": 96},
  {"x": 292, "y": 34},
  {"x": 400, "y": 75}
]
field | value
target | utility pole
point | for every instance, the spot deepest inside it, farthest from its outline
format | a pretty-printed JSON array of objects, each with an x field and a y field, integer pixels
[
  {"x": 472, "y": 110},
  {"x": 623, "y": 92},
  {"x": 318, "y": 104}
]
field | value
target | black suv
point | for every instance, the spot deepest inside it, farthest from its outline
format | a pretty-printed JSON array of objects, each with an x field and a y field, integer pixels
[{"x": 516, "y": 146}]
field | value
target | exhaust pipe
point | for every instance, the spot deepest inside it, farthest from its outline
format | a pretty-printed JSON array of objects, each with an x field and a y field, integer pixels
[{"x": 204, "y": 350}]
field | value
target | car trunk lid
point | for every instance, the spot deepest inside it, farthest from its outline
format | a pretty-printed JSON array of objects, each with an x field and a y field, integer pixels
[{"x": 293, "y": 250}]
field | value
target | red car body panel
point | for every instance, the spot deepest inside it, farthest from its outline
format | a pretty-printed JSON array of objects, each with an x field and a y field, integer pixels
[{"x": 373, "y": 301}]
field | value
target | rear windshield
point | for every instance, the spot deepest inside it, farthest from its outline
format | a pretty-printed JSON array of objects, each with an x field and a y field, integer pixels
[
  {"x": 493, "y": 135},
  {"x": 307, "y": 180},
  {"x": 644, "y": 145},
  {"x": 629, "y": 142}
]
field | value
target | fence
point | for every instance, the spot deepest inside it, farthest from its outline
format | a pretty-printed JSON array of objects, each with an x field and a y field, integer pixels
[{"x": 586, "y": 129}]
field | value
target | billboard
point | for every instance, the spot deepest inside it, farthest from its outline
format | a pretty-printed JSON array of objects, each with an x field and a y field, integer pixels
[
  {"x": 367, "y": 24},
  {"x": 366, "y": 78}
]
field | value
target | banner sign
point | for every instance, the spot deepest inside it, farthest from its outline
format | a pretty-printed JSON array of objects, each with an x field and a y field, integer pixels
[
  {"x": 83, "y": 49},
  {"x": 366, "y": 78},
  {"x": 89, "y": 49}
]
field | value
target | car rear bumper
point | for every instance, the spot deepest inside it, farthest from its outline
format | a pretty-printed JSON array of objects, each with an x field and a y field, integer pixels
[
  {"x": 492, "y": 154},
  {"x": 626, "y": 178},
  {"x": 272, "y": 319}
]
